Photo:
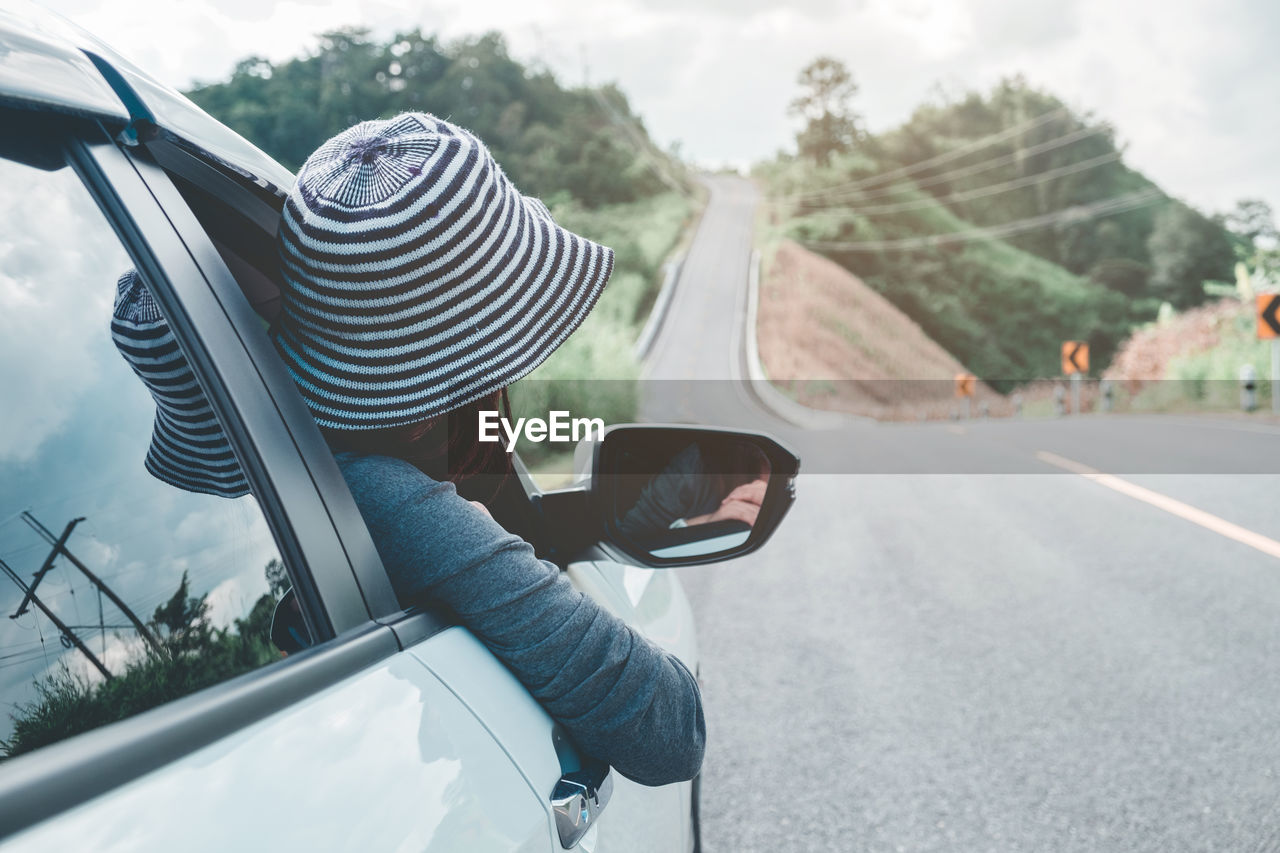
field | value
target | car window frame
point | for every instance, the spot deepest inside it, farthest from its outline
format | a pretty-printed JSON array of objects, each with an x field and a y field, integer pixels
[
  {"x": 187, "y": 279},
  {"x": 156, "y": 159}
]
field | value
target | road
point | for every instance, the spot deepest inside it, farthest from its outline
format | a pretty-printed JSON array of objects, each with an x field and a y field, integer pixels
[{"x": 956, "y": 643}]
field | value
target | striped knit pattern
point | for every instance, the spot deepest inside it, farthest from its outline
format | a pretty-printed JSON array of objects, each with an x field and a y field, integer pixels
[
  {"x": 418, "y": 278},
  {"x": 188, "y": 447}
]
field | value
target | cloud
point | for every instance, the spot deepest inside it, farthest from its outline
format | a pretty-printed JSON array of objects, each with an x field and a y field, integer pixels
[
  {"x": 56, "y": 249},
  {"x": 1188, "y": 84}
]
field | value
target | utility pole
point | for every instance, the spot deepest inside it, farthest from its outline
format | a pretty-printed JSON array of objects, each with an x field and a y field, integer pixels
[
  {"x": 44, "y": 569},
  {"x": 66, "y": 632},
  {"x": 60, "y": 547}
]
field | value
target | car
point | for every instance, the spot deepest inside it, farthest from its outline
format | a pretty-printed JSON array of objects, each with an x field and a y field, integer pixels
[{"x": 148, "y": 707}]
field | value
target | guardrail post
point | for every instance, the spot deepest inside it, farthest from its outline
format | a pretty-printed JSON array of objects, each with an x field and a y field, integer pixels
[{"x": 1248, "y": 387}]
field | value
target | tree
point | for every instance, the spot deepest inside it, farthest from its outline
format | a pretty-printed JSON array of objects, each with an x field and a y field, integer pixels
[
  {"x": 278, "y": 582},
  {"x": 547, "y": 139},
  {"x": 1187, "y": 249},
  {"x": 1121, "y": 275},
  {"x": 831, "y": 125},
  {"x": 196, "y": 655},
  {"x": 1252, "y": 220},
  {"x": 1255, "y": 237}
]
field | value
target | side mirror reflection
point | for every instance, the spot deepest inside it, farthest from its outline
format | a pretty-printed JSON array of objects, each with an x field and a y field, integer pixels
[{"x": 681, "y": 495}]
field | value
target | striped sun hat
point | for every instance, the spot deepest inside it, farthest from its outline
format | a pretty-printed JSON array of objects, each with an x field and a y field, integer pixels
[
  {"x": 418, "y": 279},
  {"x": 188, "y": 448}
]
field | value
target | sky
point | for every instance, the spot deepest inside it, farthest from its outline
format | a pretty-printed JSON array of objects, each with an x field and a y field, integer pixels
[{"x": 1190, "y": 85}]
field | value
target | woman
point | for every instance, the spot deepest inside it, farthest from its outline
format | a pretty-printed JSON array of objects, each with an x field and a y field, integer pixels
[{"x": 419, "y": 284}]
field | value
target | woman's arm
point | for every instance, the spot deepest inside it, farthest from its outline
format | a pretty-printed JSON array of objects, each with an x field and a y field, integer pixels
[{"x": 622, "y": 699}]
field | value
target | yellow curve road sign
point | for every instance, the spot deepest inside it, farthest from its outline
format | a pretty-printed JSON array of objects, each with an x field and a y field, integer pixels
[
  {"x": 1268, "y": 315},
  {"x": 1075, "y": 357},
  {"x": 964, "y": 384}
]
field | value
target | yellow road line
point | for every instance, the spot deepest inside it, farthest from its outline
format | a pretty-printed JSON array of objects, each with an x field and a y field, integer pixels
[{"x": 1174, "y": 507}]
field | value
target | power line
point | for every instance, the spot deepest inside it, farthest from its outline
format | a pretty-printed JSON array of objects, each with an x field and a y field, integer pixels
[
  {"x": 1071, "y": 215},
  {"x": 60, "y": 546},
  {"x": 963, "y": 171},
  {"x": 988, "y": 190},
  {"x": 953, "y": 154},
  {"x": 68, "y": 635}
]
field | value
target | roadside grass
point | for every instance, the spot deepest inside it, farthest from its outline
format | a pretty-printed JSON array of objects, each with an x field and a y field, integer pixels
[{"x": 593, "y": 373}]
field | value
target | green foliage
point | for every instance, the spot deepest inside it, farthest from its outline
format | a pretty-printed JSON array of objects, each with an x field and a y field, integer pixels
[
  {"x": 583, "y": 151},
  {"x": 1255, "y": 238},
  {"x": 831, "y": 125},
  {"x": 193, "y": 655},
  {"x": 1002, "y": 305},
  {"x": 548, "y": 139},
  {"x": 593, "y": 373},
  {"x": 1121, "y": 275},
  {"x": 1238, "y": 345},
  {"x": 1186, "y": 250}
]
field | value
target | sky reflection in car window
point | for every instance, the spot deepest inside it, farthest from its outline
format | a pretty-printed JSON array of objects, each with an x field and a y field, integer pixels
[{"x": 75, "y": 430}]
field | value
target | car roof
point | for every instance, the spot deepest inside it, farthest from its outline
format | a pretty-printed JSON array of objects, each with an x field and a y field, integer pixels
[{"x": 48, "y": 63}]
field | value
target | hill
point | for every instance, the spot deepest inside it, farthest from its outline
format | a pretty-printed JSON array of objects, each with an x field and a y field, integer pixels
[
  {"x": 816, "y": 319},
  {"x": 1003, "y": 224}
]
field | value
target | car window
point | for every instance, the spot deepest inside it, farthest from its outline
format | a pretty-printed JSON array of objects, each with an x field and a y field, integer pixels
[{"x": 135, "y": 565}]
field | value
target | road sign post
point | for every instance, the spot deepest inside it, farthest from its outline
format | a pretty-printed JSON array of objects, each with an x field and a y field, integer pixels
[
  {"x": 1275, "y": 376},
  {"x": 965, "y": 383},
  {"x": 1269, "y": 328},
  {"x": 1075, "y": 363}
]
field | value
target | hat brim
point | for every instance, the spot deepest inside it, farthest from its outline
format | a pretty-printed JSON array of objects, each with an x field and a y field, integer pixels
[{"x": 387, "y": 325}]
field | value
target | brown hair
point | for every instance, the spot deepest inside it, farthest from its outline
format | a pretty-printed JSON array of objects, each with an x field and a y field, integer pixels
[{"x": 446, "y": 447}]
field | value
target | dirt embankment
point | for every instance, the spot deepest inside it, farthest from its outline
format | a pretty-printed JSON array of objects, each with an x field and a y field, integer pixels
[{"x": 832, "y": 342}]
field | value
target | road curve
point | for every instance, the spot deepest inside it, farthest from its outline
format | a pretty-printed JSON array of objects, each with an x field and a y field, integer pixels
[{"x": 952, "y": 645}]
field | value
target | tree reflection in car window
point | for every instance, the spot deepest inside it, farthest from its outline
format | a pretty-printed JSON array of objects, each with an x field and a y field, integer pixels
[{"x": 195, "y": 576}]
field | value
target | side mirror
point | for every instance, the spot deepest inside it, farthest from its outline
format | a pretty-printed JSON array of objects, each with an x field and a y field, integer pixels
[{"x": 669, "y": 496}]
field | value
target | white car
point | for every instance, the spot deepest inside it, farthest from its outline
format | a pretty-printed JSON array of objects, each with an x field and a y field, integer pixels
[{"x": 146, "y": 707}]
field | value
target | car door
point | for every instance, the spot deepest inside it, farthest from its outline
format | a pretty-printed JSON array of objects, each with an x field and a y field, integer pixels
[
  {"x": 643, "y": 818},
  {"x": 352, "y": 744}
]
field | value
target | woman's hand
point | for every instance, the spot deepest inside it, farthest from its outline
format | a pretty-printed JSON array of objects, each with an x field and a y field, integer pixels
[
  {"x": 741, "y": 504},
  {"x": 752, "y": 493},
  {"x": 729, "y": 511}
]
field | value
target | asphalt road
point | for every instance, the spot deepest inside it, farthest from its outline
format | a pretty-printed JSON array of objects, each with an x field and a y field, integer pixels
[{"x": 953, "y": 643}]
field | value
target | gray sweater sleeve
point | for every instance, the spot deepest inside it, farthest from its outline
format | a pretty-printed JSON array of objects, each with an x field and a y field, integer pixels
[{"x": 621, "y": 698}]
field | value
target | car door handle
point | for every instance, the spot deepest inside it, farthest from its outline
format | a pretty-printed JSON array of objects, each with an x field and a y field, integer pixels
[{"x": 578, "y": 799}]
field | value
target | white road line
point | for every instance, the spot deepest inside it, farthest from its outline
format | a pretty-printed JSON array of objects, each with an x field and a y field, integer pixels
[{"x": 1186, "y": 512}]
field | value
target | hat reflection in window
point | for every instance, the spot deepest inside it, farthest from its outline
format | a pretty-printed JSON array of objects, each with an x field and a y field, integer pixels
[{"x": 188, "y": 448}]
